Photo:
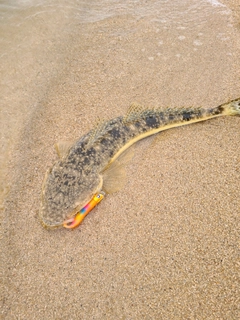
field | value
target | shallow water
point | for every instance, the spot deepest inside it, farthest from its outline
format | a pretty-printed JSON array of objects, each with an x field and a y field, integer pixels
[
  {"x": 36, "y": 39},
  {"x": 63, "y": 65}
]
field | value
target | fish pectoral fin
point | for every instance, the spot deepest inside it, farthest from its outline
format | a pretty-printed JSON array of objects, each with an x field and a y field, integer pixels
[
  {"x": 62, "y": 148},
  {"x": 114, "y": 177}
]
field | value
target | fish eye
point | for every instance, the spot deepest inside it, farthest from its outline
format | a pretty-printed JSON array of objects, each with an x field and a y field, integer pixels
[{"x": 98, "y": 196}]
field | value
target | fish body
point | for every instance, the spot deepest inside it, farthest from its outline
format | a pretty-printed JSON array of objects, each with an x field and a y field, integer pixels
[{"x": 96, "y": 161}]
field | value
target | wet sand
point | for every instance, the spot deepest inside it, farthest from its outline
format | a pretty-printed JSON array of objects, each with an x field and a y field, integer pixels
[{"x": 166, "y": 246}]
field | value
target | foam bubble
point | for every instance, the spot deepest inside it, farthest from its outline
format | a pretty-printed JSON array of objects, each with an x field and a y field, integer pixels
[
  {"x": 181, "y": 37},
  {"x": 197, "y": 43},
  {"x": 216, "y": 3}
]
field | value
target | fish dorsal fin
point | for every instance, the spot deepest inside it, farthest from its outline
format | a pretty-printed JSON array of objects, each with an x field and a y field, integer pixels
[
  {"x": 97, "y": 131},
  {"x": 114, "y": 177},
  {"x": 134, "y": 113},
  {"x": 62, "y": 148}
]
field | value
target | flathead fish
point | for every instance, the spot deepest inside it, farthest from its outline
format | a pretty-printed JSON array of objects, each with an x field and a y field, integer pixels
[{"x": 96, "y": 161}]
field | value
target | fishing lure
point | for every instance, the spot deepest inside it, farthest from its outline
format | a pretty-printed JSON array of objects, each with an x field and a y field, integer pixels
[{"x": 78, "y": 218}]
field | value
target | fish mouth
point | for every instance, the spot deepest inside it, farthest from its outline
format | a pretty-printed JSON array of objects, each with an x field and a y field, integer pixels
[{"x": 49, "y": 224}]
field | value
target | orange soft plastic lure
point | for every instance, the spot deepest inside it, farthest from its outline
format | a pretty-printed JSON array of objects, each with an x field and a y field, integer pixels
[{"x": 78, "y": 218}]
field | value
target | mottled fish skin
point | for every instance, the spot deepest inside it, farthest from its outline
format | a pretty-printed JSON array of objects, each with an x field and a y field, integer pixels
[{"x": 74, "y": 179}]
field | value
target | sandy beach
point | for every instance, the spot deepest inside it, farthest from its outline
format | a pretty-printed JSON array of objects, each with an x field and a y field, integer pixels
[{"x": 167, "y": 245}]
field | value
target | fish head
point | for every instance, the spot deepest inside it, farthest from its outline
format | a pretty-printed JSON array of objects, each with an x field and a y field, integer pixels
[{"x": 65, "y": 192}]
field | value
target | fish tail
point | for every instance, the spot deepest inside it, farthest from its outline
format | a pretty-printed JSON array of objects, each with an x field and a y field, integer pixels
[{"x": 231, "y": 108}]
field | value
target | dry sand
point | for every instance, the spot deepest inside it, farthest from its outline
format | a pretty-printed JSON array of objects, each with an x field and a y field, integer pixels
[{"x": 167, "y": 245}]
